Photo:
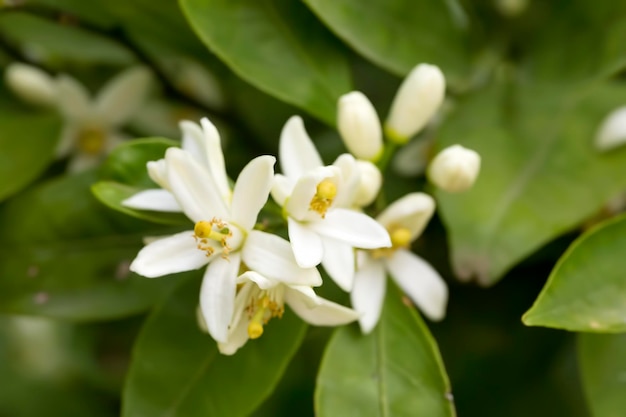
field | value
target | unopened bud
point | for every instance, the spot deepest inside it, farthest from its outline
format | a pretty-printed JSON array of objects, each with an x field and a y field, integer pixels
[
  {"x": 612, "y": 131},
  {"x": 359, "y": 126},
  {"x": 369, "y": 184},
  {"x": 454, "y": 169},
  {"x": 417, "y": 100},
  {"x": 31, "y": 84}
]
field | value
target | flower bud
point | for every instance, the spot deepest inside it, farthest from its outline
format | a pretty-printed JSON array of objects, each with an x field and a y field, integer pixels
[
  {"x": 31, "y": 84},
  {"x": 359, "y": 126},
  {"x": 369, "y": 184},
  {"x": 415, "y": 103},
  {"x": 612, "y": 131},
  {"x": 454, "y": 169}
]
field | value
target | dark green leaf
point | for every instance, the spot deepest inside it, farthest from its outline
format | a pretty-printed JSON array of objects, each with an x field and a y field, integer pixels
[
  {"x": 277, "y": 46},
  {"x": 399, "y": 34},
  {"x": 394, "y": 371},
  {"x": 177, "y": 370},
  {"x": 65, "y": 255},
  {"x": 540, "y": 174},
  {"x": 28, "y": 141},
  {"x": 603, "y": 367},
  {"x": 587, "y": 290}
]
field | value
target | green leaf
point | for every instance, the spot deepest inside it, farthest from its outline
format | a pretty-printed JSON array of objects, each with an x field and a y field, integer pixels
[
  {"x": 278, "y": 47},
  {"x": 603, "y": 366},
  {"x": 28, "y": 141},
  {"x": 113, "y": 193},
  {"x": 394, "y": 371},
  {"x": 586, "y": 290},
  {"x": 540, "y": 175},
  {"x": 65, "y": 255},
  {"x": 176, "y": 369},
  {"x": 399, "y": 34}
]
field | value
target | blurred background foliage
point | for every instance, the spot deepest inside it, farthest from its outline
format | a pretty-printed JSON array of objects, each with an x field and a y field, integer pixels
[{"x": 528, "y": 84}]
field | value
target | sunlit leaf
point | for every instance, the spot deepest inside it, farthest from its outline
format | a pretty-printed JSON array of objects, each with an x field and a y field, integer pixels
[
  {"x": 394, "y": 371},
  {"x": 587, "y": 289},
  {"x": 177, "y": 370},
  {"x": 399, "y": 34},
  {"x": 603, "y": 367},
  {"x": 540, "y": 174},
  {"x": 277, "y": 46}
]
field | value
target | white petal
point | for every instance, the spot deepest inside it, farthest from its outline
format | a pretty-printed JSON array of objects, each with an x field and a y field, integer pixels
[
  {"x": 368, "y": 293},
  {"x": 73, "y": 99},
  {"x": 121, "y": 97},
  {"x": 156, "y": 200},
  {"x": 272, "y": 257},
  {"x": 296, "y": 151},
  {"x": 31, "y": 83},
  {"x": 350, "y": 178},
  {"x": 157, "y": 170},
  {"x": 298, "y": 204},
  {"x": 351, "y": 227},
  {"x": 324, "y": 313},
  {"x": 421, "y": 282},
  {"x": 217, "y": 295},
  {"x": 281, "y": 189},
  {"x": 412, "y": 211},
  {"x": 612, "y": 131},
  {"x": 252, "y": 190},
  {"x": 261, "y": 281},
  {"x": 193, "y": 187},
  {"x": 67, "y": 142},
  {"x": 176, "y": 253},
  {"x": 83, "y": 161},
  {"x": 305, "y": 243},
  {"x": 237, "y": 337},
  {"x": 370, "y": 181},
  {"x": 338, "y": 261}
]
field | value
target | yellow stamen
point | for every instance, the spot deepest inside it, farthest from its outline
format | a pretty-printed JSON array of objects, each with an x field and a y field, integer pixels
[
  {"x": 325, "y": 194},
  {"x": 255, "y": 327},
  {"x": 91, "y": 141},
  {"x": 215, "y": 230},
  {"x": 400, "y": 237}
]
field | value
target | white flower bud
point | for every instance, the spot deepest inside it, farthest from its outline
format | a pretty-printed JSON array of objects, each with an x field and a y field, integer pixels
[
  {"x": 415, "y": 103},
  {"x": 454, "y": 169},
  {"x": 359, "y": 126},
  {"x": 31, "y": 84},
  {"x": 369, "y": 184},
  {"x": 612, "y": 131}
]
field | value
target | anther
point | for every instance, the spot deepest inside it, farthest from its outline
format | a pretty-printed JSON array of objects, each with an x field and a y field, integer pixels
[{"x": 324, "y": 195}]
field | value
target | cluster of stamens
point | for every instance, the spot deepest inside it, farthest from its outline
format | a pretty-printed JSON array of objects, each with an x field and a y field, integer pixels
[
  {"x": 324, "y": 195},
  {"x": 214, "y": 230},
  {"x": 260, "y": 311},
  {"x": 91, "y": 140},
  {"x": 400, "y": 238}
]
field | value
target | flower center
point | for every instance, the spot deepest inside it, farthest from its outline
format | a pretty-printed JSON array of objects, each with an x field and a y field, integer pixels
[
  {"x": 267, "y": 305},
  {"x": 324, "y": 195},
  {"x": 216, "y": 234},
  {"x": 91, "y": 140},
  {"x": 400, "y": 238}
]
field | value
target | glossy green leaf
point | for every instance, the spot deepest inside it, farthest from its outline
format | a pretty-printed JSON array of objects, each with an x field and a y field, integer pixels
[
  {"x": 587, "y": 289},
  {"x": 540, "y": 174},
  {"x": 20, "y": 133},
  {"x": 394, "y": 371},
  {"x": 399, "y": 34},
  {"x": 176, "y": 369},
  {"x": 65, "y": 255},
  {"x": 113, "y": 193},
  {"x": 277, "y": 46},
  {"x": 602, "y": 362}
]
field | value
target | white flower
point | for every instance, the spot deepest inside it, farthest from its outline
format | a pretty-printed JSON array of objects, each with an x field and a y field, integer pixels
[
  {"x": 31, "y": 84},
  {"x": 260, "y": 298},
  {"x": 359, "y": 126},
  {"x": 201, "y": 142},
  {"x": 612, "y": 131},
  {"x": 91, "y": 125},
  {"x": 405, "y": 219},
  {"x": 318, "y": 230},
  {"x": 417, "y": 100},
  {"x": 454, "y": 169},
  {"x": 223, "y": 236}
]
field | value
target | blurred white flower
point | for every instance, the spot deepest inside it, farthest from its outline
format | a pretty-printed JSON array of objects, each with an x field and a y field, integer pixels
[
  {"x": 319, "y": 230},
  {"x": 359, "y": 126},
  {"x": 91, "y": 125},
  {"x": 416, "y": 102},
  {"x": 454, "y": 169},
  {"x": 405, "y": 219},
  {"x": 511, "y": 8},
  {"x": 612, "y": 130}
]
